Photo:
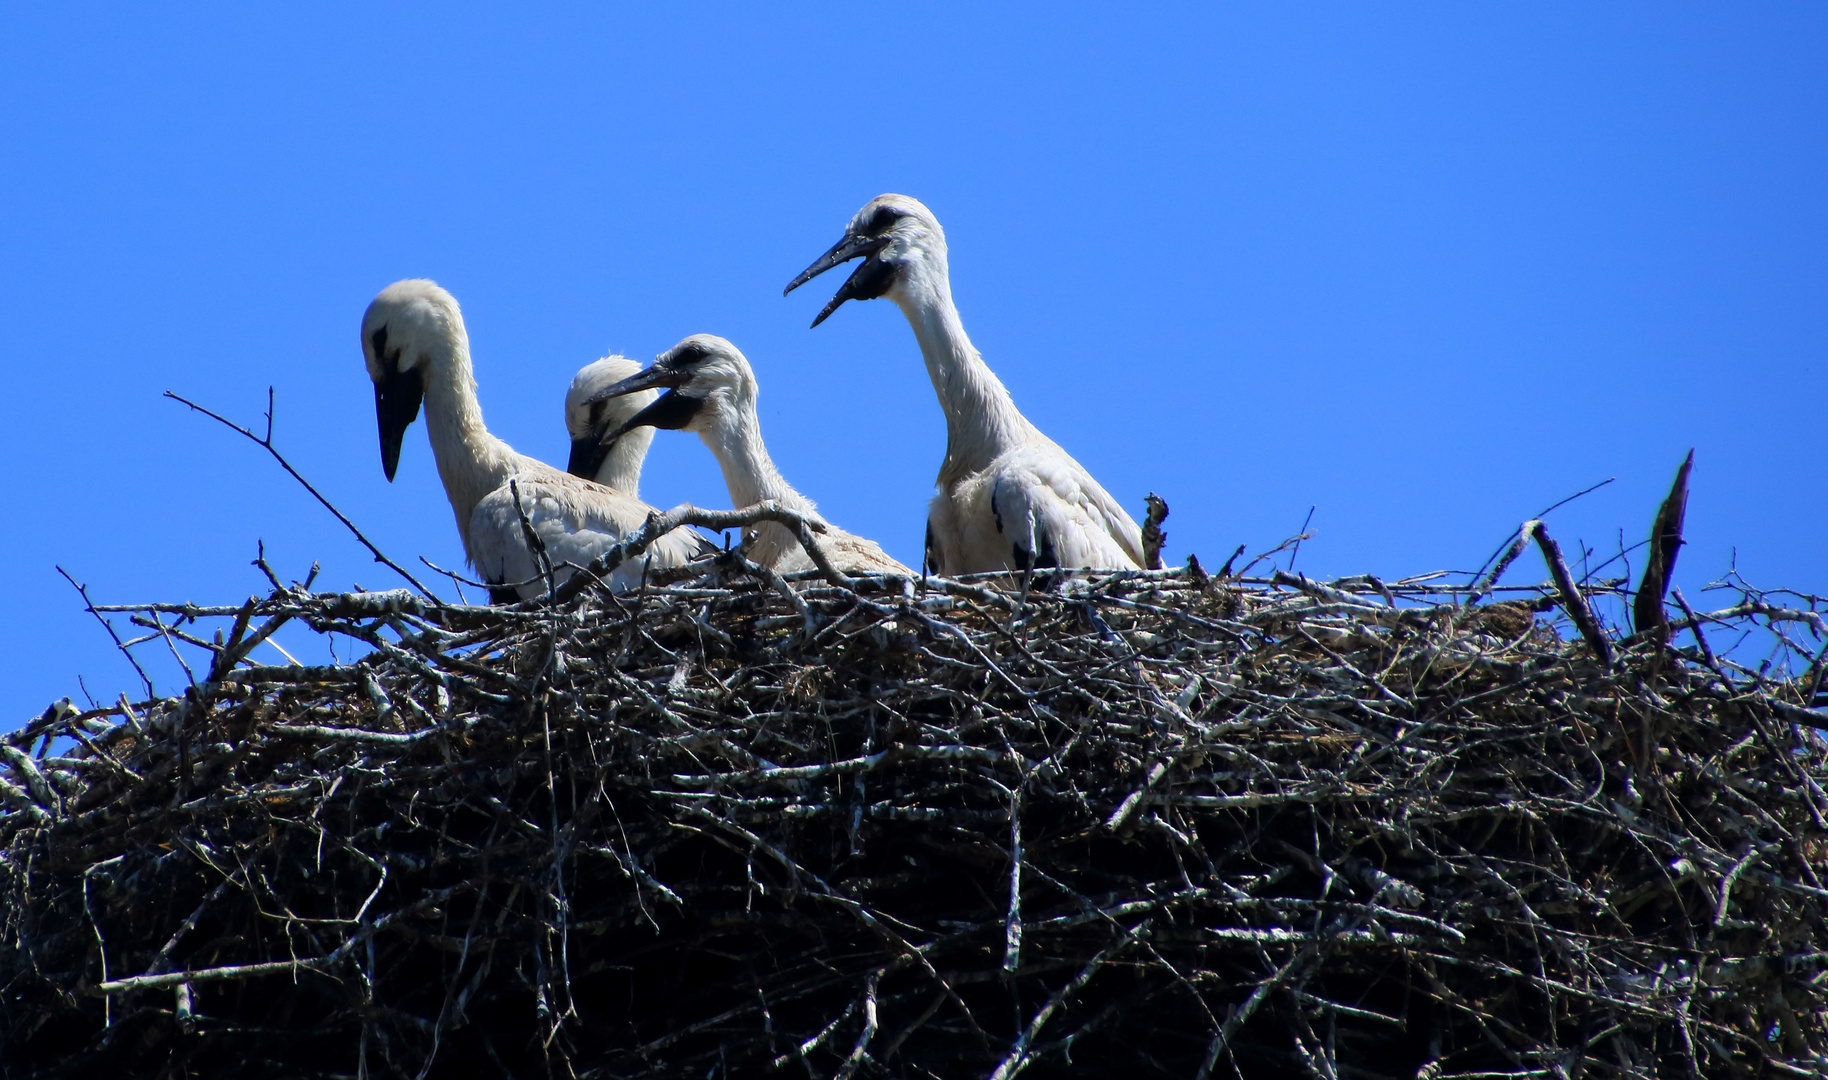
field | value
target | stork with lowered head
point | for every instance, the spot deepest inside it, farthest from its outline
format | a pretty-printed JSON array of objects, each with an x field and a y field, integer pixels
[
  {"x": 614, "y": 463},
  {"x": 417, "y": 351}
]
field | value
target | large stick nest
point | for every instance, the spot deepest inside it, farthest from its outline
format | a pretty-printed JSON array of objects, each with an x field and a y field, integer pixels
[{"x": 1155, "y": 821}]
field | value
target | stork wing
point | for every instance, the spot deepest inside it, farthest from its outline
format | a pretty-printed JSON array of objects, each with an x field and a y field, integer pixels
[
  {"x": 576, "y": 521},
  {"x": 855, "y": 554},
  {"x": 848, "y": 552},
  {"x": 1046, "y": 504}
]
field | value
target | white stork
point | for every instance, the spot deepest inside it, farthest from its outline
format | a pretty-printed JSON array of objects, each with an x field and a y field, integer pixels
[
  {"x": 1009, "y": 498},
  {"x": 416, "y": 349},
  {"x": 614, "y": 463},
  {"x": 712, "y": 390}
]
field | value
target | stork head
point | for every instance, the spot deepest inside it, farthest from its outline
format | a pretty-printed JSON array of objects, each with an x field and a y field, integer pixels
[
  {"x": 895, "y": 236},
  {"x": 708, "y": 383},
  {"x": 410, "y": 326},
  {"x": 590, "y": 419}
]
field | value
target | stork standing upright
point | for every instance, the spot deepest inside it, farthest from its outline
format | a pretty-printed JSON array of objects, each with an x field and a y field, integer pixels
[
  {"x": 711, "y": 390},
  {"x": 612, "y": 462},
  {"x": 417, "y": 350},
  {"x": 1008, "y": 498}
]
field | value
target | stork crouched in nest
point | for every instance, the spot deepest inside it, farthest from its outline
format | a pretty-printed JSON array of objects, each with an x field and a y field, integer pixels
[
  {"x": 712, "y": 390},
  {"x": 509, "y": 507},
  {"x": 614, "y": 463},
  {"x": 1009, "y": 497}
]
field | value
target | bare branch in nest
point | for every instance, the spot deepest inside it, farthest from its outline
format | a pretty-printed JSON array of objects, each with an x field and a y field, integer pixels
[
  {"x": 1293, "y": 543},
  {"x": 89, "y": 606},
  {"x": 1485, "y": 582},
  {"x": 1660, "y": 564},
  {"x": 684, "y": 515},
  {"x": 1572, "y": 600},
  {"x": 535, "y": 546},
  {"x": 1480, "y": 573},
  {"x": 265, "y": 442}
]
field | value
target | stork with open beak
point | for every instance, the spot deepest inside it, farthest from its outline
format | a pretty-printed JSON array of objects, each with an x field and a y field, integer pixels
[
  {"x": 1008, "y": 497},
  {"x": 711, "y": 389},
  {"x": 418, "y": 352}
]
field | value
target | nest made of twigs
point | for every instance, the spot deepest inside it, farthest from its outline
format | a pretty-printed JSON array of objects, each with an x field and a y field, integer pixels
[{"x": 1175, "y": 824}]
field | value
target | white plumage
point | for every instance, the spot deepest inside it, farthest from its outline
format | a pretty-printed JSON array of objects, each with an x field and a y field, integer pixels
[
  {"x": 1008, "y": 497},
  {"x": 416, "y": 348},
  {"x": 712, "y": 391}
]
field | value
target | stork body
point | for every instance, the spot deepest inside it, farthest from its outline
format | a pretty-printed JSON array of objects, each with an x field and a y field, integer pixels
[
  {"x": 712, "y": 391},
  {"x": 1008, "y": 497},
  {"x": 416, "y": 349}
]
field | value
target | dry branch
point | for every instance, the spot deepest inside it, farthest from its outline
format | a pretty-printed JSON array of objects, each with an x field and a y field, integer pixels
[
  {"x": 1660, "y": 564},
  {"x": 1572, "y": 600}
]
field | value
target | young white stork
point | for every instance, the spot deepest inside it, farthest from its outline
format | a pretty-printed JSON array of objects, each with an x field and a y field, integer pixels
[
  {"x": 614, "y": 463},
  {"x": 416, "y": 349},
  {"x": 1009, "y": 498},
  {"x": 712, "y": 390}
]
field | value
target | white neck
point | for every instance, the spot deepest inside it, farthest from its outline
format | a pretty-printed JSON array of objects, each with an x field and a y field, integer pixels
[
  {"x": 622, "y": 468},
  {"x": 471, "y": 462},
  {"x": 734, "y": 438},
  {"x": 981, "y": 419}
]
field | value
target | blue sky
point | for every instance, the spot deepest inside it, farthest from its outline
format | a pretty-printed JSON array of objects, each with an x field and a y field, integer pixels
[{"x": 1427, "y": 270}]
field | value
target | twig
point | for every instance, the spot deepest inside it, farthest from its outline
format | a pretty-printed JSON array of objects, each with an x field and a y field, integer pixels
[
  {"x": 861, "y": 1049},
  {"x": 1485, "y": 583},
  {"x": 1301, "y": 534},
  {"x": 685, "y": 514},
  {"x": 1572, "y": 600},
  {"x": 216, "y": 974},
  {"x": 1018, "y": 1057},
  {"x": 266, "y": 443},
  {"x": 1538, "y": 516},
  {"x": 535, "y": 546},
  {"x": 1660, "y": 564},
  {"x": 1293, "y": 541},
  {"x": 89, "y": 606},
  {"x": 1012, "y": 936}
]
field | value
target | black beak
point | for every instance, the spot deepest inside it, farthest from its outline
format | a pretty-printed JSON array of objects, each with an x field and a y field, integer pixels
[
  {"x": 587, "y": 456},
  {"x": 655, "y": 376},
  {"x": 396, "y": 406},
  {"x": 867, "y": 282},
  {"x": 673, "y": 411}
]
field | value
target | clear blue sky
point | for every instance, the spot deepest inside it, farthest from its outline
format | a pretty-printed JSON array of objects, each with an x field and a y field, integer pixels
[{"x": 1427, "y": 270}]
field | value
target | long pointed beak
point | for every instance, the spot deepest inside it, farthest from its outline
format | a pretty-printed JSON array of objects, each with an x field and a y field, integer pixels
[
  {"x": 671, "y": 412},
  {"x": 841, "y": 252},
  {"x": 396, "y": 406},
  {"x": 587, "y": 455},
  {"x": 656, "y": 376},
  {"x": 871, "y": 279},
  {"x": 867, "y": 282}
]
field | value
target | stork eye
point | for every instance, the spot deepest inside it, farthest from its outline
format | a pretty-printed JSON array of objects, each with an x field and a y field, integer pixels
[
  {"x": 379, "y": 339},
  {"x": 882, "y": 220},
  {"x": 596, "y": 412},
  {"x": 689, "y": 354}
]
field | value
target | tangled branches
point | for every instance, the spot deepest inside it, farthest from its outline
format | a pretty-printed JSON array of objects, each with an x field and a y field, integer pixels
[{"x": 1184, "y": 825}]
